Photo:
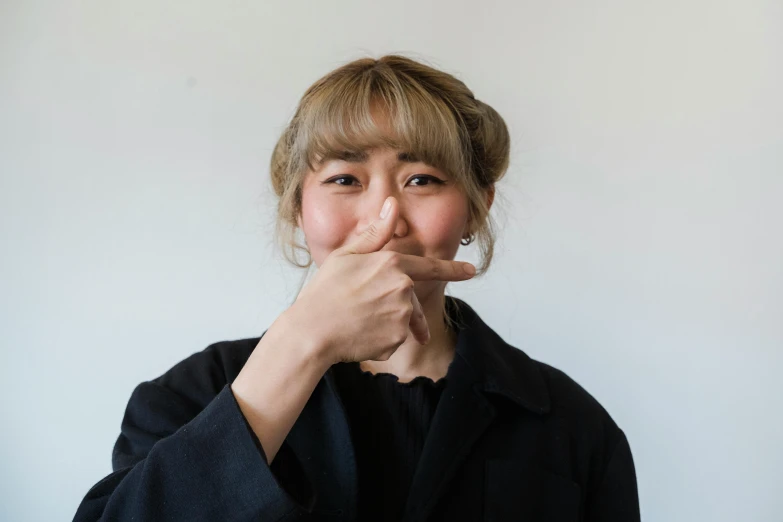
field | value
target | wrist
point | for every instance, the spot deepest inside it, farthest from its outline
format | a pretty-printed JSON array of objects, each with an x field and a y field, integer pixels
[{"x": 312, "y": 346}]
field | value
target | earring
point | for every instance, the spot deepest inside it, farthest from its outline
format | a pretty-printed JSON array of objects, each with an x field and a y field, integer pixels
[{"x": 468, "y": 240}]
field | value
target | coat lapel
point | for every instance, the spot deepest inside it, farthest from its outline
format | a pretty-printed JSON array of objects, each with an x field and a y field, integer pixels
[
  {"x": 481, "y": 365},
  {"x": 460, "y": 418}
]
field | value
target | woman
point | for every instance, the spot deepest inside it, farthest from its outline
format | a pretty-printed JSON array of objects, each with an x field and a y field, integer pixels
[{"x": 374, "y": 396}]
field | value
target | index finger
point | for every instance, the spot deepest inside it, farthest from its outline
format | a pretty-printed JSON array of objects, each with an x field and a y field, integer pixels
[{"x": 432, "y": 269}]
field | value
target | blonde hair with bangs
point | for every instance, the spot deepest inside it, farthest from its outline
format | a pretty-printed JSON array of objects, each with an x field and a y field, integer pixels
[{"x": 431, "y": 114}]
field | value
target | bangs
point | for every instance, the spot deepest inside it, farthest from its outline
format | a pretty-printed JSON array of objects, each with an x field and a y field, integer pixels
[{"x": 354, "y": 113}]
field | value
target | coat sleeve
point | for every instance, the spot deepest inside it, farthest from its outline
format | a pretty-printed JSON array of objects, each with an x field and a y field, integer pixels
[
  {"x": 178, "y": 460},
  {"x": 616, "y": 497}
]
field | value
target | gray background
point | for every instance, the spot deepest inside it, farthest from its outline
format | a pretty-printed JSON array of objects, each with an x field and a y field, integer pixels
[{"x": 640, "y": 247}]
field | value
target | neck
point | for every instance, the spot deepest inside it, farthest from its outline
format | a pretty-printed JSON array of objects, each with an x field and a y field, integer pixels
[{"x": 412, "y": 359}]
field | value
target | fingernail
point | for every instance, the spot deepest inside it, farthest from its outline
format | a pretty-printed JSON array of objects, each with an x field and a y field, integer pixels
[
  {"x": 469, "y": 269},
  {"x": 386, "y": 208}
]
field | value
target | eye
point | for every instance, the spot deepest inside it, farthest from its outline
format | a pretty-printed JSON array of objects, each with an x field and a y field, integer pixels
[
  {"x": 425, "y": 180},
  {"x": 343, "y": 181}
]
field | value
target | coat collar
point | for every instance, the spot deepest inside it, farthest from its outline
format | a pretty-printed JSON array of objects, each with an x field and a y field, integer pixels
[
  {"x": 498, "y": 367},
  {"x": 483, "y": 365}
]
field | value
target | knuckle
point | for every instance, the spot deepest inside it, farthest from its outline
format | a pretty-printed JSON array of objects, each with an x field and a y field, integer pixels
[
  {"x": 371, "y": 231},
  {"x": 404, "y": 312},
  {"x": 405, "y": 283},
  {"x": 434, "y": 266},
  {"x": 390, "y": 259}
]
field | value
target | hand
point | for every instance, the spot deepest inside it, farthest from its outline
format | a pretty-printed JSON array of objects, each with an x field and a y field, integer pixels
[{"x": 361, "y": 304}]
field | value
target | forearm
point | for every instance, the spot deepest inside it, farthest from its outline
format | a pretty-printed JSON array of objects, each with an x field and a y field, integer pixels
[{"x": 277, "y": 381}]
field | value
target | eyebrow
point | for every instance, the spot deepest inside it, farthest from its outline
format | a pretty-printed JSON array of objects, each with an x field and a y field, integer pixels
[{"x": 363, "y": 156}]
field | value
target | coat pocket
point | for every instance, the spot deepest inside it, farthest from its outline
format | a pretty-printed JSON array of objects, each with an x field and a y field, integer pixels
[{"x": 522, "y": 493}]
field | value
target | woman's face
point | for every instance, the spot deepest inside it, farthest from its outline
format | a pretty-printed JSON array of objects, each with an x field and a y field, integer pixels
[{"x": 343, "y": 196}]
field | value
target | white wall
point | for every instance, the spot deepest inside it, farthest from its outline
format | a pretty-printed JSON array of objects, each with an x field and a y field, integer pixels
[{"x": 641, "y": 250}]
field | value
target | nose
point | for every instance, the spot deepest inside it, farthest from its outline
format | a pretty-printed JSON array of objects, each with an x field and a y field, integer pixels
[
  {"x": 373, "y": 208},
  {"x": 401, "y": 228}
]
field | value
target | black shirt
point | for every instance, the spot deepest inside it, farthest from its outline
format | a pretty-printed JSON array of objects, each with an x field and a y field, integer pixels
[{"x": 389, "y": 422}]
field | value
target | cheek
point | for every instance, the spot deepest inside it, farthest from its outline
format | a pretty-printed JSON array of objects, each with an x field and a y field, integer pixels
[
  {"x": 440, "y": 225},
  {"x": 325, "y": 225}
]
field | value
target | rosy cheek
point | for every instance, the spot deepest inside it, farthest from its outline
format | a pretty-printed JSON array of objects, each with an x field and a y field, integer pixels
[
  {"x": 444, "y": 225},
  {"x": 325, "y": 226}
]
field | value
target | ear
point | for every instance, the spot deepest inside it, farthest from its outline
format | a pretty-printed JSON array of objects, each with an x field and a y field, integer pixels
[{"x": 490, "y": 196}]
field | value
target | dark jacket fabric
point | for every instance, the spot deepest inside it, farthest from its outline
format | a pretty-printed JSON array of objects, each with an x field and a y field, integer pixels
[{"x": 511, "y": 439}]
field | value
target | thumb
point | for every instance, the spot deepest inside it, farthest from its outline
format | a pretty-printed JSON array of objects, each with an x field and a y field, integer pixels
[{"x": 378, "y": 233}]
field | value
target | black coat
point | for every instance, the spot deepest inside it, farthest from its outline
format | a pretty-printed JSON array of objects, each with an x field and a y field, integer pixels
[{"x": 511, "y": 439}]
